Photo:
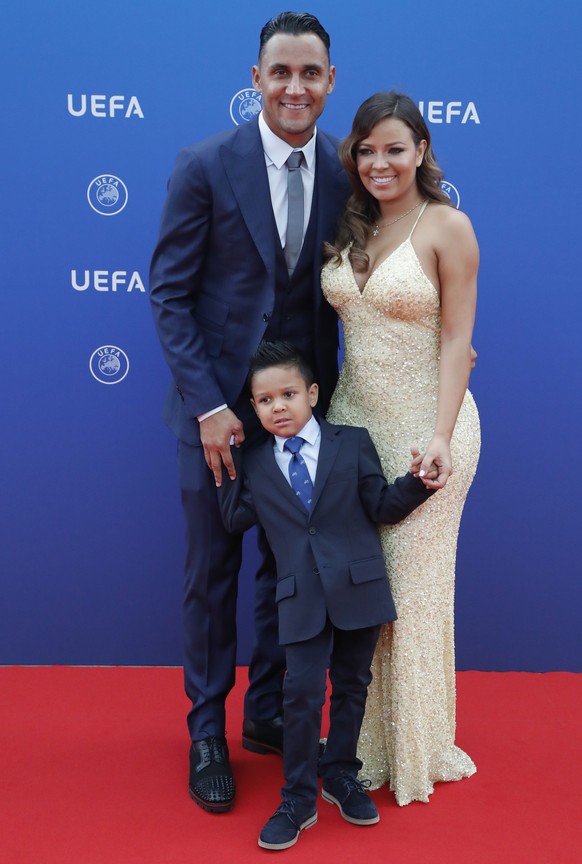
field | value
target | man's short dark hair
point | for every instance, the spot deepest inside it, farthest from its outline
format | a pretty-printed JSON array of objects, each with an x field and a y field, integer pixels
[
  {"x": 294, "y": 24},
  {"x": 270, "y": 354}
]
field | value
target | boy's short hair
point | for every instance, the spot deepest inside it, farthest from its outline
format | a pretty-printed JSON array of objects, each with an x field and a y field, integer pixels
[{"x": 279, "y": 354}]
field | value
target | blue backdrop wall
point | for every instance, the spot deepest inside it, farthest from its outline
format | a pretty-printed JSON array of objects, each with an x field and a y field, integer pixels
[{"x": 98, "y": 98}]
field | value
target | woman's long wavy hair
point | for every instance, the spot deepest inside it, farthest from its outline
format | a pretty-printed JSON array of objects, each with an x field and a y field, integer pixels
[{"x": 362, "y": 210}]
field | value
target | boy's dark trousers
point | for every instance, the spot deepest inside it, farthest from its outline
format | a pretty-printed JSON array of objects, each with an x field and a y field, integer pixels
[{"x": 303, "y": 698}]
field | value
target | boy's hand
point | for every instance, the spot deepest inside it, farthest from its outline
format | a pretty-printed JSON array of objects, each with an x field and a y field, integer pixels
[{"x": 416, "y": 462}]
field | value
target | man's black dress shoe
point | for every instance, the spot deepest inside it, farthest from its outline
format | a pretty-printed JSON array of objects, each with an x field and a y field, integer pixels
[
  {"x": 211, "y": 782},
  {"x": 263, "y": 736}
]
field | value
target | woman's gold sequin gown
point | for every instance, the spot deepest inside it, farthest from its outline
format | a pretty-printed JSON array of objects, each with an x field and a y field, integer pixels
[{"x": 389, "y": 384}]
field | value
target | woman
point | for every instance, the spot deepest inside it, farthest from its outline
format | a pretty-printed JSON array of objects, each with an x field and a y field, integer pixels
[{"x": 402, "y": 277}]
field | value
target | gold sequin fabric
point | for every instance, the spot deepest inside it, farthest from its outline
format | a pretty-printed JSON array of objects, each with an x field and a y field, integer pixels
[{"x": 389, "y": 384}]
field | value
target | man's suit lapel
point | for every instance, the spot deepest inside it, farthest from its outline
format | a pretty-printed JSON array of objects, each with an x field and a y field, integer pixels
[
  {"x": 244, "y": 164},
  {"x": 331, "y": 188},
  {"x": 331, "y": 182},
  {"x": 330, "y": 177}
]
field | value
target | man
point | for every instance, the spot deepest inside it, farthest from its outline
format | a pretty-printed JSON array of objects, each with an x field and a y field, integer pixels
[{"x": 238, "y": 261}]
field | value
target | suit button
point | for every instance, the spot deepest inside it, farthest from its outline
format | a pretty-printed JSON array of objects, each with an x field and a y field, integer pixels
[
  {"x": 312, "y": 530},
  {"x": 316, "y": 571},
  {"x": 266, "y": 316}
]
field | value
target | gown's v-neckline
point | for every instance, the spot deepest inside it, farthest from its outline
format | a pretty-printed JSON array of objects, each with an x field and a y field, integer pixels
[
  {"x": 394, "y": 251},
  {"x": 407, "y": 241},
  {"x": 377, "y": 267}
]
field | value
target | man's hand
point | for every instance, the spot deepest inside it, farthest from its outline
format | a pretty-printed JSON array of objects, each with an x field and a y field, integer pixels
[{"x": 215, "y": 434}]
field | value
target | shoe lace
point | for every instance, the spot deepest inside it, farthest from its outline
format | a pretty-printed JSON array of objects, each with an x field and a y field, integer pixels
[
  {"x": 212, "y": 749},
  {"x": 217, "y": 748},
  {"x": 352, "y": 784},
  {"x": 287, "y": 808}
]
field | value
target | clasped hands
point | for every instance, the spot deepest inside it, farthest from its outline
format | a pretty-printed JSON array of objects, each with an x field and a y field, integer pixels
[{"x": 434, "y": 467}]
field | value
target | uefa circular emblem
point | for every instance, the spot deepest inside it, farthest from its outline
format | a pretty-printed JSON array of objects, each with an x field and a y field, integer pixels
[
  {"x": 452, "y": 192},
  {"x": 109, "y": 364},
  {"x": 245, "y": 105},
  {"x": 107, "y": 195}
]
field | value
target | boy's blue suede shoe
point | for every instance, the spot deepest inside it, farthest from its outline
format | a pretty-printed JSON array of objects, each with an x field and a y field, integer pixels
[
  {"x": 354, "y": 804},
  {"x": 285, "y": 825}
]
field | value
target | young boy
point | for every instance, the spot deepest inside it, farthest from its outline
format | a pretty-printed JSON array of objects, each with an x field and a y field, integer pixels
[{"x": 318, "y": 491}]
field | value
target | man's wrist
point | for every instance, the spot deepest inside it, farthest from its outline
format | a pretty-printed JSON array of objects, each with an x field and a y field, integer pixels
[{"x": 207, "y": 414}]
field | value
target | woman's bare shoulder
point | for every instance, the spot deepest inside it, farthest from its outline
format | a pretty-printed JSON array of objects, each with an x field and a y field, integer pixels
[{"x": 449, "y": 226}]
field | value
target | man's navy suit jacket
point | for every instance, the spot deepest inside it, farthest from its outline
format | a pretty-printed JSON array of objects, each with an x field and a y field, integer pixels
[
  {"x": 329, "y": 561},
  {"x": 212, "y": 280}
]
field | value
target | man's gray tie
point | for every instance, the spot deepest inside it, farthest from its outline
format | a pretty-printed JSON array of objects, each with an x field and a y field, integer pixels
[{"x": 295, "y": 210}]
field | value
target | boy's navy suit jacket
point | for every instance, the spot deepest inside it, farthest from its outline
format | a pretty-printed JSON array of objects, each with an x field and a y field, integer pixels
[{"x": 329, "y": 561}]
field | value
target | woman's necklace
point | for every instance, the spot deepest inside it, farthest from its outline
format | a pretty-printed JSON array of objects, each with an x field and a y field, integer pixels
[{"x": 378, "y": 227}]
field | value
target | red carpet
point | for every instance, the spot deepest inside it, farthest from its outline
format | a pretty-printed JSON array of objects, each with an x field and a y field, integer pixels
[{"x": 94, "y": 771}]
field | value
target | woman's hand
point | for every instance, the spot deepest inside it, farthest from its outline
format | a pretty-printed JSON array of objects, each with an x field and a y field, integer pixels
[
  {"x": 438, "y": 455},
  {"x": 416, "y": 462}
]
